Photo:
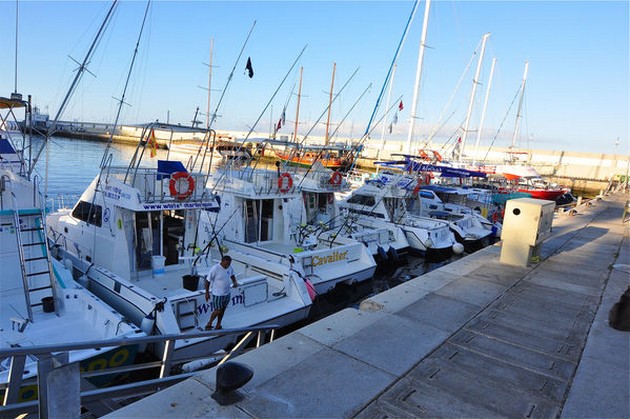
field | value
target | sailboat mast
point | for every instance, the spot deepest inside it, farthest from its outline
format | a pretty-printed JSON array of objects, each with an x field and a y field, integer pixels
[
  {"x": 209, "y": 84},
  {"x": 389, "y": 95},
  {"x": 472, "y": 96},
  {"x": 332, "y": 86},
  {"x": 483, "y": 112},
  {"x": 75, "y": 81},
  {"x": 297, "y": 109},
  {"x": 416, "y": 89},
  {"x": 16, "y": 46},
  {"x": 520, "y": 105}
]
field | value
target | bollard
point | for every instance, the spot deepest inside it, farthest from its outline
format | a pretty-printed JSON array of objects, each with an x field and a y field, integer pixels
[{"x": 230, "y": 377}]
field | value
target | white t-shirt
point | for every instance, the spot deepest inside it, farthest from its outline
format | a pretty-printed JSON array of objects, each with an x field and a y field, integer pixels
[{"x": 220, "y": 279}]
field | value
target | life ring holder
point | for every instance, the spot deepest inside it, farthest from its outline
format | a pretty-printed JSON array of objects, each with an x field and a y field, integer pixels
[
  {"x": 335, "y": 178},
  {"x": 176, "y": 179},
  {"x": 283, "y": 186}
]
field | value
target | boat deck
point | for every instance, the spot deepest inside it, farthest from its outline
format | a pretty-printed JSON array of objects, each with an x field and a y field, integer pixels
[{"x": 473, "y": 338}]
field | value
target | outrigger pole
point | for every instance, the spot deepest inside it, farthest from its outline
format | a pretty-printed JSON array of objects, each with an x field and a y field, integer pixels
[
  {"x": 391, "y": 67},
  {"x": 82, "y": 67},
  {"x": 121, "y": 101}
]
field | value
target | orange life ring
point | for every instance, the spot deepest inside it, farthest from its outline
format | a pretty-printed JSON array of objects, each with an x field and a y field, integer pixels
[
  {"x": 181, "y": 185},
  {"x": 335, "y": 178},
  {"x": 417, "y": 188},
  {"x": 285, "y": 186}
]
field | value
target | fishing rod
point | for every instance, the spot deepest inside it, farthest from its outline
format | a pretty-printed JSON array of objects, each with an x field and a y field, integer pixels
[
  {"x": 366, "y": 136},
  {"x": 301, "y": 144},
  {"x": 319, "y": 155},
  {"x": 216, "y": 109},
  {"x": 391, "y": 66},
  {"x": 121, "y": 101},
  {"x": 269, "y": 102}
]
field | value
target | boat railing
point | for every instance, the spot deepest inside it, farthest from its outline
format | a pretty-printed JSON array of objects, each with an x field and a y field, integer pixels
[
  {"x": 53, "y": 367},
  {"x": 259, "y": 182},
  {"x": 154, "y": 185}
]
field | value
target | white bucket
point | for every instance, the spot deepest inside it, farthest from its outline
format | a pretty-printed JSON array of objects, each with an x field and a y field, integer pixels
[{"x": 157, "y": 263}]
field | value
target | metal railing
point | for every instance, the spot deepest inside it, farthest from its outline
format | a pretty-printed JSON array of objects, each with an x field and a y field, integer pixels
[{"x": 66, "y": 401}]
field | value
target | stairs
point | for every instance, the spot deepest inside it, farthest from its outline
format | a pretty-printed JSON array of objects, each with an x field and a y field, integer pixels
[{"x": 35, "y": 262}]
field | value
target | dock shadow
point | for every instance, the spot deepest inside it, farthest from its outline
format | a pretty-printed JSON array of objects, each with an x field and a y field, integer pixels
[{"x": 570, "y": 241}]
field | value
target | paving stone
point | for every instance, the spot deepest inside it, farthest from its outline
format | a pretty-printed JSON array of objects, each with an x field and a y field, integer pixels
[
  {"x": 442, "y": 313},
  {"x": 473, "y": 364},
  {"x": 290, "y": 395},
  {"x": 393, "y": 344},
  {"x": 538, "y": 362}
]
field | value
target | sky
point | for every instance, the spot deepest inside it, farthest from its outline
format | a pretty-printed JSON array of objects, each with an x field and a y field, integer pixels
[{"x": 576, "y": 95}]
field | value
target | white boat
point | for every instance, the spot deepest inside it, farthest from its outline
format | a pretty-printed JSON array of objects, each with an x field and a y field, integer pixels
[
  {"x": 40, "y": 303},
  {"x": 134, "y": 235},
  {"x": 382, "y": 199},
  {"x": 262, "y": 222},
  {"x": 470, "y": 229},
  {"x": 385, "y": 241}
]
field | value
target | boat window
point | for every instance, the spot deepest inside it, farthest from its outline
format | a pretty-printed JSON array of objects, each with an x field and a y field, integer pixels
[
  {"x": 362, "y": 200},
  {"x": 426, "y": 194},
  {"x": 88, "y": 212}
]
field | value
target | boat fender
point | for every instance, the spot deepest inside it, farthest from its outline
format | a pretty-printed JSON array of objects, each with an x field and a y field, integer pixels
[
  {"x": 310, "y": 288},
  {"x": 393, "y": 255},
  {"x": 67, "y": 263},
  {"x": 382, "y": 254},
  {"x": 181, "y": 185},
  {"x": 335, "y": 178},
  {"x": 84, "y": 281},
  {"x": 147, "y": 324},
  {"x": 458, "y": 248},
  {"x": 285, "y": 182}
]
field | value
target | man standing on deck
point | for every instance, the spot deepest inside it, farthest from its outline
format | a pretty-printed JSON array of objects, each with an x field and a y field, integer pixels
[{"x": 218, "y": 279}]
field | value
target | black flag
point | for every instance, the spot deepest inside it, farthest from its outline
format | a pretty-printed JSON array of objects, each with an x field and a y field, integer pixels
[{"x": 249, "y": 68}]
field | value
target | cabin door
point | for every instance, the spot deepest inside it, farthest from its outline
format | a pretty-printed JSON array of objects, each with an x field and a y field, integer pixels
[
  {"x": 259, "y": 223},
  {"x": 148, "y": 238}
]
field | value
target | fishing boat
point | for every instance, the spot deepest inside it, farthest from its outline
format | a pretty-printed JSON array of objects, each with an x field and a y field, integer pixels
[
  {"x": 262, "y": 221},
  {"x": 470, "y": 227},
  {"x": 382, "y": 198},
  {"x": 134, "y": 236},
  {"x": 41, "y": 303},
  {"x": 385, "y": 241}
]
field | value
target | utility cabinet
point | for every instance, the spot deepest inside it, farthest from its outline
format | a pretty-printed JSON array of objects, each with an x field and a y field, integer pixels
[{"x": 526, "y": 224}]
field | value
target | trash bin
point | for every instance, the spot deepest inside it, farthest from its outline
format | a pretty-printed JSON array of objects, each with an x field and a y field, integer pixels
[
  {"x": 48, "y": 304},
  {"x": 191, "y": 282},
  {"x": 157, "y": 263}
]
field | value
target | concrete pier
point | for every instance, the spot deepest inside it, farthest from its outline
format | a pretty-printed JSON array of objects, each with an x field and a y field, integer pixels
[{"x": 474, "y": 338}]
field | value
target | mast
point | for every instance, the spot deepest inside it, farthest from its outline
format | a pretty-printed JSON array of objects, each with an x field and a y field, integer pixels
[
  {"x": 16, "y": 46},
  {"x": 416, "y": 89},
  {"x": 297, "y": 110},
  {"x": 483, "y": 112},
  {"x": 82, "y": 67},
  {"x": 389, "y": 95},
  {"x": 209, "y": 84},
  {"x": 332, "y": 86},
  {"x": 472, "y": 96},
  {"x": 520, "y": 106}
]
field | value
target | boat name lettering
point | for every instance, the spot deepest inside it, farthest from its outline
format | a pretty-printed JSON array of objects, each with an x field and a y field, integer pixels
[
  {"x": 207, "y": 307},
  {"x": 176, "y": 205},
  {"x": 323, "y": 260},
  {"x": 115, "y": 192}
]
